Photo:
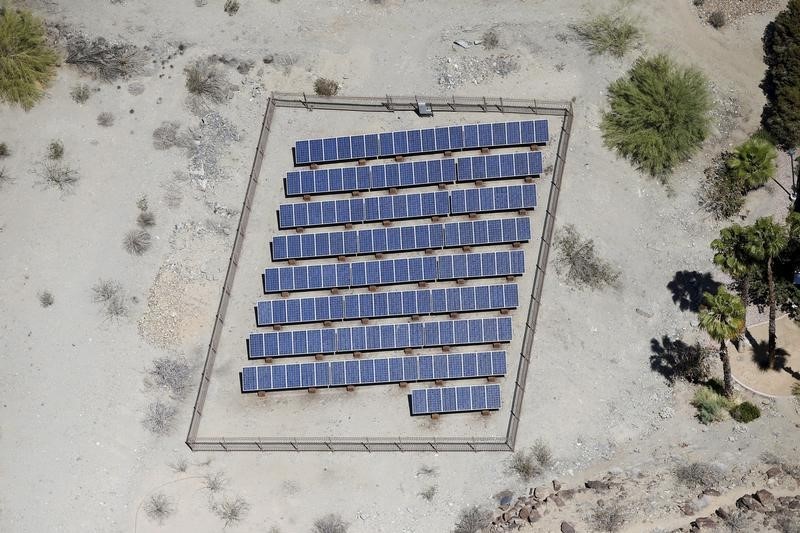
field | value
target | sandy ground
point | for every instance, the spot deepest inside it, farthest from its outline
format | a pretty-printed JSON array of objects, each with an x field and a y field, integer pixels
[
  {"x": 750, "y": 364},
  {"x": 74, "y": 455}
]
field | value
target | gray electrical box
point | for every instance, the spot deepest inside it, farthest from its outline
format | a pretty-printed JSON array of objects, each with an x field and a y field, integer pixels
[{"x": 424, "y": 109}]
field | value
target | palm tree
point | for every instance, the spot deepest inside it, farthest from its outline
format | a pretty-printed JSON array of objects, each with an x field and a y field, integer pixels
[
  {"x": 722, "y": 317},
  {"x": 730, "y": 254},
  {"x": 766, "y": 240},
  {"x": 753, "y": 162}
]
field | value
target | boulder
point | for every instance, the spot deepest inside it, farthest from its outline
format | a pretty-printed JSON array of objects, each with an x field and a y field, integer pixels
[
  {"x": 534, "y": 516},
  {"x": 566, "y": 527},
  {"x": 525, "y": 512},
  {"x": 556, "y": 499},
  {"x": 775, "y": 471},
  {"x": 764, "y": 497},
  {"x": 709, "y": 492},
  {"x": 705, "y": 522},
  {"x": 748, "y": 502},
  {"x": 794, "y": 504},
  {"x": 722, "y": 513},
  {"x": 541, "y": 493},
  {"x": 597, "y": 485},
  {"x": 567, "y": 494},
  {"x": 556, "y": 485}
]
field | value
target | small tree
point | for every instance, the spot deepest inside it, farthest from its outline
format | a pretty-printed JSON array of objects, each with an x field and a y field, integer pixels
[
  {"x": 472, "y": 520},
  {"x": 731, "y": 255},
  {"x": 722, "y": 317},
  {"x": 752, "y": 163},
  {"x": 330, "y": 523}
]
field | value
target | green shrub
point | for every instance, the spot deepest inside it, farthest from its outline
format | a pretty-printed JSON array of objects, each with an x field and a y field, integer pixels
[
  {"x": 659, "y": 114},
  {"x": 608, "y": 34},
  {"x": 745, "y": 412},
  {"x": 781, "y": 84},
  {"x": 27, "y": 63},
  {"x": 711, "y": 406},
  {"x": 752, "y": 163}
]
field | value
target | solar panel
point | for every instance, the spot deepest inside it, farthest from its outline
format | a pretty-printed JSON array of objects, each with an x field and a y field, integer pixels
[
  {"x": 485, "y": 167},
  {"x": 384, "y": 337},
  {"x": 455, "y": 399},
  {"x": 415, "y": 269},
  {"x": 438, "y": 139}
]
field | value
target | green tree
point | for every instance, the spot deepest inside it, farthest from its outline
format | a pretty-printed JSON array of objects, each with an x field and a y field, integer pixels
[
  {"x": 658, "y": 114},
  {"x": 731, "y": 255},
  {"x": 752, "y": 163},
  {"x": 27, "y": 63},
  {"x": 766, "y": 240},
  {"x": 722, "y": 317},
  {"x": 781, "y": 84}
]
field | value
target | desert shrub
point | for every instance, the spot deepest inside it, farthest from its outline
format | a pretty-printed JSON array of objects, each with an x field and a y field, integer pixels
[
  {"x": 711, "y": 406},
  {"x": 658, "y": 114},
  {"x": 752, "y": 163},
  {"x": 232, "y": 510},
  {"x": 472, "y": 520},
  {"x": 698, "y": 3},
  {"x": 787, "y": 522},
  {"x": 426, "y": 470},
  {"x": 159, "y": 417},
  {"x": 736, "y": 521},
  {"x": 231, "y": 7},
  {"x": 27, "y": 63},
  {"x": 158, "y": 507},
  {"x": 205, "y": 81},
  {"x": 745, "y": 412},
  {"x": 717, "y": 19},
  {"x": 613, "y": 34},
  {"x": 55, "y": 150},
  {"x": 5, "y": 177},
  {"x": 542, "y": 453},
  {"x": 179, "y": 466},
  {"x": 608, "y": 516},
  {"x": 171, "y": 374},
  {"x": 326, "y": 87},
  {"x": 4, "y": 151},
  {"x": 104, "y": 60},
  {"x": 781, "y": 84},
  {"x": 214, "y": 482},
  {"x": 429, "y": 493},
  {"x": 330, "y": 523},
  {"x": 116, "y": 307},
  {"x": 80, "y": 93},
  {"x": 105, "y": 290},
  {"x": 166, "y": 135},
  {"x": 46, "y": 298},
  {"x": 146, "y": 219},
  {"x": 490, "y": 40},
  {"x": 523, "y": 463},
  {"x": 136, "y": 242},
  {"x": 58, "y": 175},
  {"x": 721, "y": 191},
  {"x": 796, "y": 389},
  {"x": 578, "y": 262},
  {"x": 141, "y": 203},
  {"x": 699, "y": 474},
  {"x": 105, "y": 119}
]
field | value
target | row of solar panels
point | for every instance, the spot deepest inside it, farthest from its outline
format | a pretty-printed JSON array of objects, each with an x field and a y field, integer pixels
[
  {"x": 379, "y": 337},
  {"x": 403, "y": 206},
  {"x": 426, "y": 140},
  {"x": 373, "y": 371},
  {"x": 387, "y": 304},
  {"x": 390, "y": 271},
  {"x": 401, "y": 239},
  {"x": 412, "y": 173},
  {"x": 455, "y": 399}
]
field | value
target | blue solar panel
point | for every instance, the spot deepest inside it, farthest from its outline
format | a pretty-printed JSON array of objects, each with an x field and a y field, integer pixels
[
  {"x": 249, "y": 379},
  {"x": 455, "y": 399}
]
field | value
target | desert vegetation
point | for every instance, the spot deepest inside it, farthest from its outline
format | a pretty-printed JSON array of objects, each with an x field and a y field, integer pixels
[
  {"x": 530, "y": 463},
  {"x": 171, "y": 374},
  {"x": 781, "y": 84},
  {"x": 136, "y": 241},
  {"x": 472, "y": 520},
  {"x": 330, "y": 523},
  {"x": 722, "y": 317},
  {"x": 103, "y": 60},
  {"x": 326, "y": 87},
  {"x": 699, "y": 475},
  {"x": 158, "y": 507},
  {"x": 159, "y": 417},
  {"x": 231, "y": 510},
  {"x": 614, "y": 34},
  {"x": 105, "y": 119},
  {"x": 578, "y": 262},
  {"x": 80, "y": 93}
]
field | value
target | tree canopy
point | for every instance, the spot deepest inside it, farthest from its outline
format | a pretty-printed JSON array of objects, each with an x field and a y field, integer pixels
[{"x": 781, "y": 84}]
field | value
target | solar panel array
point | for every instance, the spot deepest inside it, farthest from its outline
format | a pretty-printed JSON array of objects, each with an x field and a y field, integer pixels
[
  {"x": 412, "y": 174},
  {"x": 379, "y": 337},
  {"x": 455, "y": 399},
  {"x": 485, "y": 200},
  {"x": 390, "y": 271},
  {"x": 401, "y": 239},
  {"x": 422, "y": 141},
  {"x": 373, "y": 371},
  {"x": 387, "y": 304}
]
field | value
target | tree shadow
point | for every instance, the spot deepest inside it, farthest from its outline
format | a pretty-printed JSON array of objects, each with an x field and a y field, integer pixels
[
  {"x": 761, "y": 356},
  {"x": 675, "y": 359},
  {"x": 687, "y": 288}
]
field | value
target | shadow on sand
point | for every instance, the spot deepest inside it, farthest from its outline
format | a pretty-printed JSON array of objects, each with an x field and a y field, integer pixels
[{"x": 687, "y": 288}]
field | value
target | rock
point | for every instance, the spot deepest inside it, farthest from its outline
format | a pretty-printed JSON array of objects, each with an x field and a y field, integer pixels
[
  {"x": 525, "y": 512},
  {"x": 269, "y": 58},
  {"x": 462, "y": 43},
  {"x": 748, "y": 502},
  {"x": 709, "y": 492},
  {"x": 794, "y": 504},
  {"x": 506, "y": 516},
  {"x": 534, "y": 516},
  {"x": 556, "y": 485},
  {"x": 689, "y": 508},
  {"x": 541, "y": 493},
  {"x": 764, "y": 497},
  {"x": 775, "y": 471},
  {"x": 556, "y": 499},
  {"x": 567, "y": 494},
  {"x": 597, "y": 485},
  {"x": 566, "y": 527},
  {"x": 705, "y": 522},
  {"x": 722, "y": 513}
]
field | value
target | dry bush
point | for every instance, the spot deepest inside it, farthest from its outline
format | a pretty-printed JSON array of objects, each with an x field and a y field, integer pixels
[
  {"x": 214, "y": 482},
  {"x": 608, "y": 517},
  {"x": 4, "y": 177},
  {"x": 426, "y": 470},
  {"x": 158, "y": 507},
  {"x": 116, "y": 307},
  {"x": 4, "y": 151},
  {"x": 206, "y": 81},
  {"x": 179, "y": 466},
  {"x": 166, "y": 135},
  {"x": 136, "y": 241},
  {"x": 105, "y": 119},
  {"x": 429, "y": 493},
  {"x": 105, "y": 290},
  {"x": 523, "y": 463},
  {"x": 173, "y": 196},
  {"x": 141, "y": 203},
  {"x": 326, "y": 87},
  {"x": 104, "y": 60},
  {"x": 472, "y": 520},
  {"x": 146, "y": 219},
  {"x": 711, "y": 406},
  {"x": 231, "y": 7},
  {"x": 737, "y": 521},
  {"x": 490, "y": 40},
  {"x": 717, "y": 19},
  {"x": 159, "y": 417},
  {"x": 231, "y": 511},
  {"x": 171, "y": 374},
  {"x": 720, "y": 193},
  {"x": 200, "y": 3},
  {"x": 608, "y": 34},
  {"x": 542, "y": 453},
  {"x": 58, "y": 175},
  {"x": 46, "y": 298},
  {"x": 80, "y": 93},
  {"x": 330, "y": 523},
  {"x": 699, "y": 474},
  {"x": 55, "y": 150},
  {"x": 579, "y": 263}
]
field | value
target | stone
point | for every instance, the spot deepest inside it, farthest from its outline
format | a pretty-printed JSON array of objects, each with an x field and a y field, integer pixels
[
  {"x": 722, "y": 513},
  {"x": 775, "y": 471},
  {"x": 556, "y": 499},
  {"x": 710, "y": 492},
  {"x": 705, "y": 522},
  {"x": 566, "y": 527},
  {"x": 764, "y": 497},
  {"x": 794, "y": 504},
  {"x": 567, "y": 494},
  {"x": 748, "y": 502},
  {"x": 689, "y": 508},
  {"x": 534, "y": 516},
  {"x": 597, "y": 485},
  {"x": 556, "y": 485},
  {"x": 541, "y": 493},
  {"x": 525, "y": 512}
]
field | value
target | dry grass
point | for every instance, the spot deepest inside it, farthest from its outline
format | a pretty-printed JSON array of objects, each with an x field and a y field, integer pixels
[
  {"x": 80, "y": 93},
  {"x": 136, "y": 242},
  {"x": 472, "y": 520},
  {"x": 330, "y": 523},
  {"x": 5, "y": 177},
  {"x": 490, "y": 40},
  {"x": 429, "y": 493},
  {"x": 104, "y": 60},
  {"x": 231, "y": 7},
  {"x": 608, "y": 516},
  {"x": 326, "y": 87},
  {"x": 105, "y": 290},
  {"x": 542, "y": 453},
  {"x": 613, "y": 34},
  {"x": 4, "y": 151},
  {"x": 46, "y": 298},
  {"x": 179, "y": 466},
  {"x": 231, "y": 511},
  {"x": 166, "y": 135},
  {"x": 206, "y": 81},
  {"x": 577, "y": 260},
  {"x": 158, "y": 507},
  {"x": 214, "y": 482},
  {"x": 171, "y": 374},
  {"x": 699, "y": 474},
  {"x": 159, "y": 417},
  {"x": 141, "y": 203},
  {"x": 55, "y": 150},
  {"x": 105, "y": 119},
  {"x": 58, "y": 175},
  {"x": 146, "y": 219}
]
